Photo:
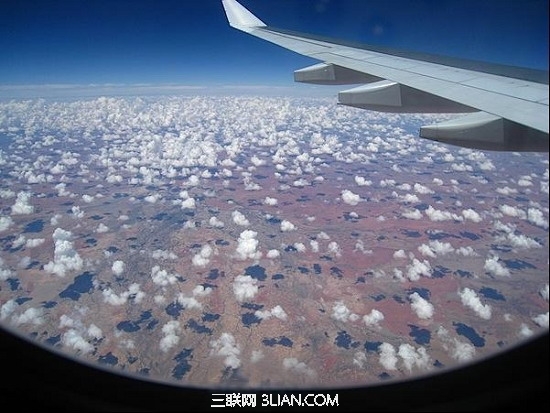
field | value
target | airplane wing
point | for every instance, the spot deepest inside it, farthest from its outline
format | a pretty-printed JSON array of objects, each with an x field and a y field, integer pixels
[{"x": 507, "y": 106}]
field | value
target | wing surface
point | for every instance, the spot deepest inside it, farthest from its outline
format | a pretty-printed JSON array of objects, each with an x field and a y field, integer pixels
[{"x": 511, "y": 103}]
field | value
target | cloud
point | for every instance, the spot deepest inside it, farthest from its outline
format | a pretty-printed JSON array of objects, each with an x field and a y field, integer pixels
[
  {"x": 470, "y": 299},
  {"x": 459, "y": 350},
  {"x": 245, "y": 287},
  {"x": 541, "y": 320},
  {"x": 34, "y": 242},
  {"x": 165, "y": 255},
  {"x": 493, "y": 266},
  {"x": 216, "y": 222},
  {"x": 414, "y": 357},
  {"x": 5, "y": 273},
  {"x": 72, "y": 338},
  {"x": 341, "y": 313},
  {"x": 411, "y": 198},
  {"x": 240, "y": 219},
  {"x": 423, "y": 308},
  {"x": 102, "y": 228},
  {"x": 247, "y": 245},
  {"x": 535, "y": 217},
  {"x": 470, "y": 214},
  {"x": 334, "y": 248},
  {"x": 466, "y": 251},
  {"x": 544, "y": 292},
  {"x": 190, "y": 302},
  {"x": 522, "y": 241},
  {"x": 388, "y": 357},
  {"x": 276, "y": 312},
  {"x": 373, "y": 318},
  {"x": 5, "y": 223},
  {"x": 202, "y": 258},
  {"x": 270, "y": 201},
  {"x": 133, "y": 293},
  {"x": 170, "y": 338},
  {"x": 350, "y": 198},
  {"x": 360, "y": 181},
  {"x": 7, "y": 309},
  {"x": 418, "y": 268},
  {"x": 94, "y": 332},
  {"x": 506, "y": 191},
  {"x": 525, "y": 181},
  {"x": 292, "y": 364},
  {"x": 287, "y": 226},
  {"x": 512, "y": 211},
  {"x": 273, "y": 254},
  {"x": 399, "y": 254},
  {"x": 118, "y": 267},
  {"x": 461, "y": 167},
  {"x": 77, "y": 212},
  {"x": 256, "y": 356},
  {"x": 525, "y": 331},
  {"x": 441, "y": 248},
  {"x": 65, "y": 256},
  {"x": 412, "y": 214},
  {"x": 22, "y": 206},
  {"x": 31, "y": 315},
  {"x": 426, "y": 251},
  {"x": 227, "y": 347},
  {"x": 162, "y": 277},
  {"x": 421, "y": 189},
  {"x": 188, "y": 203},
  {"x": 437, "y": 215}
]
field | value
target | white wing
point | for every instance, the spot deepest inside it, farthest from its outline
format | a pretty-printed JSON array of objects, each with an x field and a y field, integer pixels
[{"x": 510, "y": 103}]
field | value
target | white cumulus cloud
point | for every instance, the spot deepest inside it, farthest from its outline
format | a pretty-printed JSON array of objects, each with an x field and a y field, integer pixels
[
  {"x": 65, "y": 256},
  {"x": 470, "y": 299},
  {"x": 422, "y": 307}
]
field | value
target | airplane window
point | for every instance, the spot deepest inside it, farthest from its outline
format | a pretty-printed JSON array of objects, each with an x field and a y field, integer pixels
[{"x": 173, "y": 207}]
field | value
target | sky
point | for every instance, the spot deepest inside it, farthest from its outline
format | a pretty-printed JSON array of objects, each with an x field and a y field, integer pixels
[{"x": 190, "y": 43}]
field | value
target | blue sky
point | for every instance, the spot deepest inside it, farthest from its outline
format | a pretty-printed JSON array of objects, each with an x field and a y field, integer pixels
[{"x": 190, "y": 42}]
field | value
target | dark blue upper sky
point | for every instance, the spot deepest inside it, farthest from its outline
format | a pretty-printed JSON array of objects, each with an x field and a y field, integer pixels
[{"x": 190, "y": 42}]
